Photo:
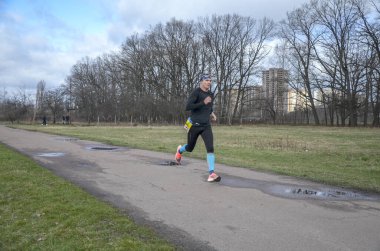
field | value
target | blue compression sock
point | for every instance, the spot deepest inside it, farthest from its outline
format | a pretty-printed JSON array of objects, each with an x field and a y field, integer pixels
[
  {"x": 211, "y": 162},
  {"x": 182, "y": 149}
]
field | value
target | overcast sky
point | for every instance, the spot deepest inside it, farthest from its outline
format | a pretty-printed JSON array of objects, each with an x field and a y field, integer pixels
[{"x": 43, "y": 39}]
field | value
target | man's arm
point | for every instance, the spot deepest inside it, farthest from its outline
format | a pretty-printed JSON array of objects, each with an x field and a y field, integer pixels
[{"x": 191, "y": 105}]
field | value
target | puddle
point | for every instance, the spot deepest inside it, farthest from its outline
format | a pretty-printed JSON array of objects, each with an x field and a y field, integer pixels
[
  {"x": 66, "y": 139},
  {"x": 169, "y": 163},
  {"x": 50, "y": 155},
  {"x": 293, "y": 191},
  {"x": 101, "y": 148},
  {"x": 320, "y": 193}
]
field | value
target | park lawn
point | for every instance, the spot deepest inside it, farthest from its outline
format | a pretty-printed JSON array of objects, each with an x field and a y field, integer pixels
[
  {"x": 40, "y": 211},
  {"x": 346, "y": 157}
]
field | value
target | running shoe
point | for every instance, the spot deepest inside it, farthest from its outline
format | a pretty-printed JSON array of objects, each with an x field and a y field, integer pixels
[
  {"x": 214, "y": 178},
  {"x": 178, "y": 156}
]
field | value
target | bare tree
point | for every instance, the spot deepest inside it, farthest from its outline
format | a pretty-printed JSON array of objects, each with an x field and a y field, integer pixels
[
  {"x": 133, "y": 63},
  {"x": 54, "y": 101},
  {"x": 370, "y": 37},
  {"x": 221, "y": 35},
  {"x": 82, "y": 82},
  {"x": 235, "y": 46},
  {"x": 175, "y": 64},
  {"x": 338, "y": 20},
  {"x": 253, "y": 36},
  {"x": 18, "y": 106},
  {"x": 300, "y": 34}
]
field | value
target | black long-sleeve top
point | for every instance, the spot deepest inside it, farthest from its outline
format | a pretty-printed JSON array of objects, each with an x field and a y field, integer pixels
[{"x": 200, "y": 113}]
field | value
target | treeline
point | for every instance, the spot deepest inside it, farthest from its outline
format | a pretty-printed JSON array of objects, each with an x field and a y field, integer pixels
[
  {"x": 331, "y": 49},
  {"x": 150, "y": 79}
]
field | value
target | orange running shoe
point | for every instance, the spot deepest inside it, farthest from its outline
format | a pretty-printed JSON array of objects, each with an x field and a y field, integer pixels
[
  {"x": 214, "y": 178},
  {"x": 178, "y": 156}
]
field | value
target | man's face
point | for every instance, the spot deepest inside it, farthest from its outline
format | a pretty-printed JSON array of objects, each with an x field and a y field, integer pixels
[{"x": 206, "y": 84}]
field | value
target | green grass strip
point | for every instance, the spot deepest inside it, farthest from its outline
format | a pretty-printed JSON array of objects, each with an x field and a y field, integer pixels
[{"x": 39, "y": 211}]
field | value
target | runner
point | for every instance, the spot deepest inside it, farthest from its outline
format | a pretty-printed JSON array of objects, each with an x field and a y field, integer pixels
[{"x": 200, "y": 103}]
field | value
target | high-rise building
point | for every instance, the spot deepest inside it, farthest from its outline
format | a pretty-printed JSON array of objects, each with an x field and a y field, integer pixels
[
  {"x": 275, "y": 85},
  {"x": 296, "y": 100}
]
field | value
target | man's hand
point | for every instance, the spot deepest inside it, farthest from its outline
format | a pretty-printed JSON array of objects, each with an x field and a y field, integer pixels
[
  {"x": 207, "y": 100},
  {"x": 213, "y": 116}
]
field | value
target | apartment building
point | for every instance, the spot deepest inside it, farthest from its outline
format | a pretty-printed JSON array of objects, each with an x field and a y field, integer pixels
[{"x": 276, "y": 85}]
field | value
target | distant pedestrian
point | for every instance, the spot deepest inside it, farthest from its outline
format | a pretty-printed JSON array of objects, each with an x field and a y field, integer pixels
[
  {"x": 200, "y": 103},
  {"x": 44, "y": 120}
]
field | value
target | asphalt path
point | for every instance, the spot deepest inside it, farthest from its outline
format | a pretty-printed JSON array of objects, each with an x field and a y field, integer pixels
[{"x": 247, "y": 210}]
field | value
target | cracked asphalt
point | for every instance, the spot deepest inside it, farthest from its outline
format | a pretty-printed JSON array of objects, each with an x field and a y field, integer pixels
[{"x": 247, "y": 210}]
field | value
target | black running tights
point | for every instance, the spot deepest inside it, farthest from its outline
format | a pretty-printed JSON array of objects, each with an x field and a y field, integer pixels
[{"x": 206, "y": 134}]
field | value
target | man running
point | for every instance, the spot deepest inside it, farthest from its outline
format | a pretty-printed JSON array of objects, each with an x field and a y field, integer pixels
[{"x": 200, "y": 103}]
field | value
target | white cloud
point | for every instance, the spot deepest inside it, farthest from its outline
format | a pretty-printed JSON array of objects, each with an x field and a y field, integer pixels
[
  {"x": 129, "y": 16},
  {"x": 31, "y": 51},
  {"x": 36, "y": 44}
]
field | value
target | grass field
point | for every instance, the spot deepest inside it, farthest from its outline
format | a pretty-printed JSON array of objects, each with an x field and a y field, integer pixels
[
  {"x": 346, "y": 157},
  {"x": 39, "y": 211}
]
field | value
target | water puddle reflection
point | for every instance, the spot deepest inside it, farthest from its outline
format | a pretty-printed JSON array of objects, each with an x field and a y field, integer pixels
[
  {"x": 295, "y": 191},
  {"x": 169, "y": 163},
  {"x": 52, "y": 154}
]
